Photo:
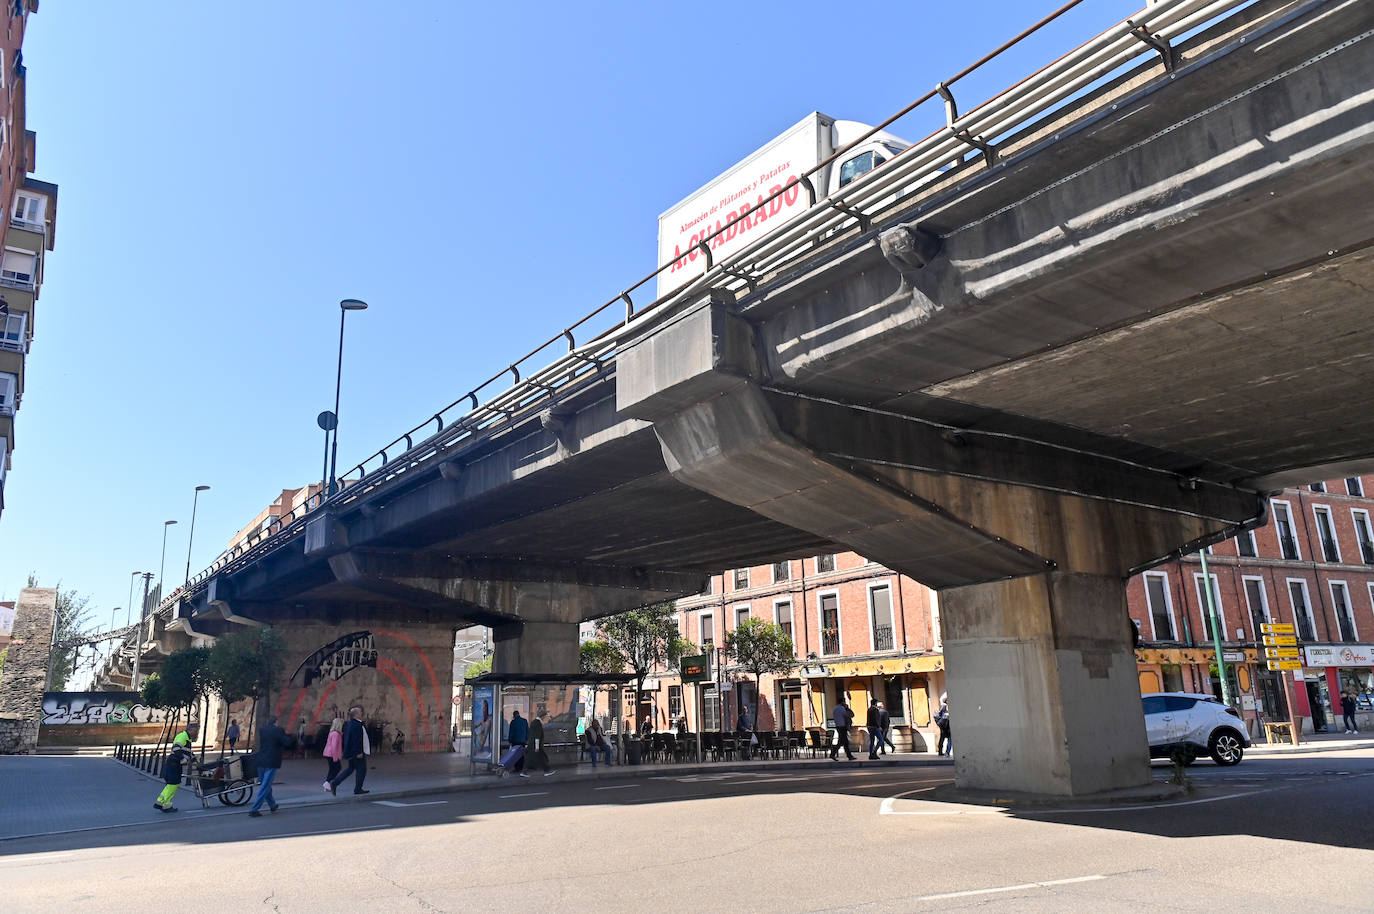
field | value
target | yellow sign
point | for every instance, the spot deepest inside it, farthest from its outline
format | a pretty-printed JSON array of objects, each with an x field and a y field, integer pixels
[
  {"x": 1276, "y": 628},
  {"x": 1281, "y": 653},
  {"x": 1284, "y": 640},
  {"x": 1285, "y": 664}
]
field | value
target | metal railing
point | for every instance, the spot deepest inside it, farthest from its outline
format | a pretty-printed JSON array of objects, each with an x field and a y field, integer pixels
[
  {"x": 976, "y": 133},
  {"x": 882, "y": 638},
  {"x": 830, "y": 641}
]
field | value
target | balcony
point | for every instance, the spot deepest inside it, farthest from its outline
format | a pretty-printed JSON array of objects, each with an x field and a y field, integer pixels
[
  {"x": 1329, "y": 551},
  {"x": 882, "y": 638},
  {"x": 1347, "y": 627},
  {"x": 1367, "y": 552},
  {"x": 830, "y": 641},
  {"x": 1305, "y": 632},
  {"x": 21, "y": 281},
  {"x": 1289, "y": 547}
]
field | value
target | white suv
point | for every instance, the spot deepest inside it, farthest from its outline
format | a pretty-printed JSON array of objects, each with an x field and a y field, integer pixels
[{"x": 1191, "y": 724}]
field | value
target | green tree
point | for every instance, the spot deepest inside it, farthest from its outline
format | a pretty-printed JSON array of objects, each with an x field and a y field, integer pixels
[
  {"x": 182, "y": 678},
  {"x": 760, "y": 647},
  {"x": 597, "y": 658},
  {"x": 645, "y": 639},
  {"x": 479, "y": 668},
  {"x": 244, "y": 664},
  {"x": 72, "y": 620}
]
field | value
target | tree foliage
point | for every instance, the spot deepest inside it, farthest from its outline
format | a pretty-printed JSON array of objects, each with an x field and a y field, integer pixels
[
  {"x": 480, "y": 668},
  {"x": 760, "y": 647},
  {"x": 645, "y": 639},
  {"x": 598, "y": 658},
  {"x": 182, "y": 677},
  {"x": 73, "y": 617},
  {"x": 244, "y": 664}
]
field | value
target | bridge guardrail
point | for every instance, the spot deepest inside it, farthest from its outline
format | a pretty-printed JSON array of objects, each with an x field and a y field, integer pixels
[{"x": 1152, "y": 30}]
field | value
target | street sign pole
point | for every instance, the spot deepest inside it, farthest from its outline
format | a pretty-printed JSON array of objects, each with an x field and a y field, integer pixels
[
  {"x": 1281, "y": 654},
  {"x": 1216, "y": 629}
]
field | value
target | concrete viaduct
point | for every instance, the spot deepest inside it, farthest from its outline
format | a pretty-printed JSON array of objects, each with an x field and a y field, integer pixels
[{"x": 1021, "y": 385}]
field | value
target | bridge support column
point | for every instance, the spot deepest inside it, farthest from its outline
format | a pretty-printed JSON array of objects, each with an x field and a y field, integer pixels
[
  {"x": 1043, "y": 692},
  {"x": 537, "y": 647}
]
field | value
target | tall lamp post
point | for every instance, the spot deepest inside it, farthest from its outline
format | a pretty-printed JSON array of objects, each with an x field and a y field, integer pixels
[
  {"x": 162, "y": 567},
  {"x": 345, "y": 306},
  {"x": 190, "y": 537}
]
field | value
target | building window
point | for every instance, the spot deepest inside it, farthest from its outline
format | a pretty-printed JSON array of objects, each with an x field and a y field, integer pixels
[
  {"x": 1354, "y": 486},
  {"x": 1331, "y": 550},
  {"x": 782, "y": 571},
  {"x": 782, "y": 614},
  {"x": 674, "y": 703},
  {"x": 1203, "y": 609},
  {"x": 741, "y": 578},
  {"x": 1345, "y": 619},
  {"x": 8, "y": 385},
  {"x": 18, "y": 266},
  {"x": 706, "y": 625},
  {"x": 1318, "y": 487},
  {"x": 880, "y": 615},
  {"x": 1302, "y": 613},
  {"x": 1362, "y": 535},
  {"x": 1256, "y": 602},
  {"x": 710, "y": 707},
  {"x": 741, "y": 615},
  {"x": 1245, "y": 544},
  {"x": 710, "y": 582},
  {"x": 28, "y": 208},
  {"x": 1283, "y": 526},
  {"x": 1161, "y": 609},
  {"x": 12, "y": 332},
  {"x": 825, "y": 563},
  {"x": 830, "y": 623}
]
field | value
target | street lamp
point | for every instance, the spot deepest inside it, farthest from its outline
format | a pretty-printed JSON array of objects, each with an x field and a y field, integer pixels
[
  {"x": 345, "y": 306},
  {"x": 192, "y": 535},
  {"x": 162, "y": 567}
]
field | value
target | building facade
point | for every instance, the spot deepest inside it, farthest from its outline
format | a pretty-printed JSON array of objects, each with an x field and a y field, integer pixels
[{"x": 27, "y": 232}]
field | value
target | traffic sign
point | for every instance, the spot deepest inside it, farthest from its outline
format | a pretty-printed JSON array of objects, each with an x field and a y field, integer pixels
[
  {"x": 1285, "y": 664},
  {"x": 1283, "y": 640},
  {"x": 1281, "y": 653},
  {"x": 696, "y": 668},
  {"x": 1276, "y": 628}
]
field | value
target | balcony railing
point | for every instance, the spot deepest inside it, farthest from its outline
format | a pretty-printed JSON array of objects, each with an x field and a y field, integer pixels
[
  {"x": 1288, "y": 546},
  {"x": 26, "y": 225},
  {"x": 882, "y": 638},
  {"x": 1305, "y": 627},
  {"x": 10, "y": 282},
  {"x": 830, "y": 641},
  {"x": 1347, "y": 627},
  {"x": 1329, "y": 551},
  {"x": 1367, "y": 552}
]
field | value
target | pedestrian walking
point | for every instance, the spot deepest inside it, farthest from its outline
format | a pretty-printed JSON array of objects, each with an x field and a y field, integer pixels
[
  {"x": 519, "y": 736},
  {"x": 875, "y": 730},
  {"x": 596, "y": 741},
  {"x": 231, "y": 735},
  {"x": 1348, "y": 712},
  {"x": 333, "y": 750},
  {"x": 744, "y": 730},
  {"x": 271, "y": 741},
  {"x": 176, "y": 760},
  {"x": 842, "y": 718},
  {"x": 885, "y": 723},
  {"x": 945, "y": 746},
  {"x": 356, "y": 749},
  {"x": 540, "y": 754}
]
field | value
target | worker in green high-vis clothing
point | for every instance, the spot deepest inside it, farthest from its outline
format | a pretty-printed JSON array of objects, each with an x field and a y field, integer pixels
[{"x": 171, "y": 769}]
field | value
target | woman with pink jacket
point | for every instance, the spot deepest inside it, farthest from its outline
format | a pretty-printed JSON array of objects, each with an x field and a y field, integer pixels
[{"x": 333, "y": 750}]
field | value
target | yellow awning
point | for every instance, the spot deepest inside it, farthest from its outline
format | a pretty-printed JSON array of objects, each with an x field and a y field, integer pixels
[
  {"x": 891, "y": 666},
  {"x": 1182, "y": 655}
]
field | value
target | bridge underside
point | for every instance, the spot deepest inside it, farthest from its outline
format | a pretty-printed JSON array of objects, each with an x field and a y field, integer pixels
[{"x": 1019, "y": 388}]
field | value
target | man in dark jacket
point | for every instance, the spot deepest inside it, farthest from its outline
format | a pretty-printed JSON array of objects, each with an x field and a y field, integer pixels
[
  {"x": 842, "y": 717},
  {"x": 271, "y": 741},
  {"x": 874, "y": 723},
  {"x": 885, "y": 729},
  {"x": 355, "y": 752}
]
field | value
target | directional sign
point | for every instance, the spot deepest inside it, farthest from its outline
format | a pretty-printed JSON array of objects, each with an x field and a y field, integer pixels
[
  {"x": 1285, "y": 664},
  {"x": 1281, "y": 653},
  {"x": 1276, "y": 628},
  {"x": 1284, "y": 640}
]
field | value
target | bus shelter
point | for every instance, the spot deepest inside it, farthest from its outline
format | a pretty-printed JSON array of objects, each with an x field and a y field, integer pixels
[{"x": 565, "y": 702}]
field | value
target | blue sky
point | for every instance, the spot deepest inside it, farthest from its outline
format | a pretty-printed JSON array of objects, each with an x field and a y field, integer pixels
[{"x": 481, "y": 174}]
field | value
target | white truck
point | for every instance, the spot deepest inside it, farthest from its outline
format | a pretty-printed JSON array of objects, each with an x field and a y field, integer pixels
[{"x": 735, "y": 200}]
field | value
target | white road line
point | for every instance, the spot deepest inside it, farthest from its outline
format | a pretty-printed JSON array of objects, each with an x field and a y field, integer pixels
[
  {"x": 511, "y": 796},
  {"x": 36, "y": 858},
  {"x": 617, "y": 787},
  {"x": 330, "y": 831},
  {"x": 395, "y": 803},
  {"x": 1011, "y": 888}
]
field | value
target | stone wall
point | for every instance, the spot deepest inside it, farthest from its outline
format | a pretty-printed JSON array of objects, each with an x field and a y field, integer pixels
[{"x": 26, "y": 670}]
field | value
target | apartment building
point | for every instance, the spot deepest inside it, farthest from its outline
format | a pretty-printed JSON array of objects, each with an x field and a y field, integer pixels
[{"x": 28, "y": 232}]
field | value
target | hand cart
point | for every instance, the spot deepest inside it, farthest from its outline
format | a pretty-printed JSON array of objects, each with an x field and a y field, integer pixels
[{"x": 231, "y": 780}]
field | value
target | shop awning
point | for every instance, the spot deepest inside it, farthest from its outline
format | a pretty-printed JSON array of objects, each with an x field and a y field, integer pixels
[
  {"x": 1182, "y": 655},
  {"x": 889, "y": 666}
]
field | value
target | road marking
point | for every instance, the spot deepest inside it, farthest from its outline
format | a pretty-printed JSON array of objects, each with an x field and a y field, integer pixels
[
  {"x": 1011, "y": 888},
  {"x": 395, "y": 803},
  {"x": 617, "y": 787},
  {"x": 36, "y": 858},
  {"x": 511, "y": 796},
  {"x": 330, "y": 831}
]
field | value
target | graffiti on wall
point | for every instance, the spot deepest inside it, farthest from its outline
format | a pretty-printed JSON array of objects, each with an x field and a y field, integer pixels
[
  {"x": 98, "y": 708},
  {"x": 337, "y": 658}
]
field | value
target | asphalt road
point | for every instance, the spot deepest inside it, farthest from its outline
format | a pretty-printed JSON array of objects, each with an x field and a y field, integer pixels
[{"x": 1292, "y": 832}]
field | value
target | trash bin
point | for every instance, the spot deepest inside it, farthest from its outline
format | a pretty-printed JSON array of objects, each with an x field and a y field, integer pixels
[{"x": 634, "y": 749}]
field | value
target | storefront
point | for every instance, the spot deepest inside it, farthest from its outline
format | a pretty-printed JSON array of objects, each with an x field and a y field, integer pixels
[
  {"x": 1258, "y": 692},
  {"x": 1333, "y": 670},
  {"x": 909, "y": 687}
]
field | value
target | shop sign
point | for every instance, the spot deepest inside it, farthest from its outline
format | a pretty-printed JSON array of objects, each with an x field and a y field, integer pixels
[
  {"x": 1340, "y": 655},
  {"x": 1233, "y": 656}
]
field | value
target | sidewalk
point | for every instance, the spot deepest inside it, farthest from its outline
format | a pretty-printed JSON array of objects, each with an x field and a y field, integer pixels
[{"x": 1316, "y": 742}]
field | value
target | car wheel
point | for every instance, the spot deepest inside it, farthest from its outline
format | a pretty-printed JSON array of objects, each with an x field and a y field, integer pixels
[{"x": 1226, "y": 747}]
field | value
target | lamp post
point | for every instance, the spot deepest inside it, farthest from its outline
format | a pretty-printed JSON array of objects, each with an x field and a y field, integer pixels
[
  {"x": 129, "y": 614},
  {"x": 345, "y": 306},
  {"x": 190, "y": 537},
  {"x": 162, "y": 567},
  {"x": 139, "y": 635}
]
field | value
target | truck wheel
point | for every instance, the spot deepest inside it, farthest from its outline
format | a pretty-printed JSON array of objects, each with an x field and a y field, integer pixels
[{"x": 1226, "y": 748}]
